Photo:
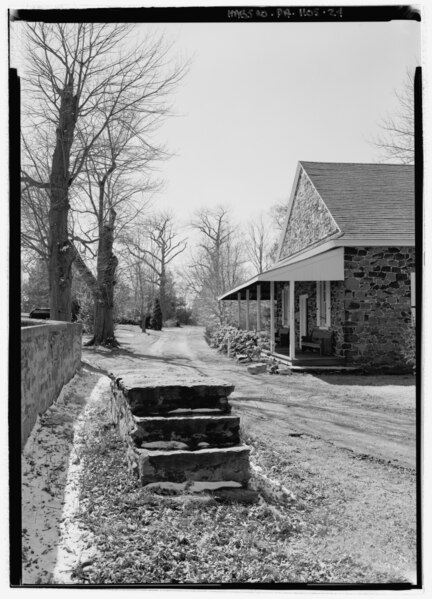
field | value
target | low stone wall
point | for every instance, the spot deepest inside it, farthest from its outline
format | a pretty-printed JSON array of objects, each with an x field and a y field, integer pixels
[{"x": 50, "y": 356}]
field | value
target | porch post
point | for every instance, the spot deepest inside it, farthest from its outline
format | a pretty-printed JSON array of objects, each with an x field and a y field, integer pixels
[
  {"x": 272, "y": 317},
  {"x": 292, "y": 320},
  {"x": 247, "y": 310},
  {"x": 328, "y": 303},
  {"x": 259, "y": 307},
  {"x": 239, "y": 308}
]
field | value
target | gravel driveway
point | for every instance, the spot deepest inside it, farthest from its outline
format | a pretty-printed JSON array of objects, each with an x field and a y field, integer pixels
[{"x": 372, "y": 416}]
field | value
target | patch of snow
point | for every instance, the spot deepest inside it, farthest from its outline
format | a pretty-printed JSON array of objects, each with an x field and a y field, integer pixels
[
  {"x": 269, "y": 486},
  {"x": 194, "y": 411},
  {"x": 76, "y": 547},
  {"x": 53, "y": 544},
  {"x": 194, "y": 486},
  {"x": 170, "y": 486},
  {"x": 164, "y": 445},
  {"x": 199, "y": 486}
]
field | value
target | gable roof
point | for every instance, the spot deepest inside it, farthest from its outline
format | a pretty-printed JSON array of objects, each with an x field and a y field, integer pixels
[{"x": 367, "y": 201}]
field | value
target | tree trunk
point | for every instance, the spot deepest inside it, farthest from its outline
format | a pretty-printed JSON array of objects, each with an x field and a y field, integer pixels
[
  {"x": 143, "y": 318},
  {"x": 162, "y": 293},
  {"x": 61, "y": 254},
  {"x": 104, "y": 300}
]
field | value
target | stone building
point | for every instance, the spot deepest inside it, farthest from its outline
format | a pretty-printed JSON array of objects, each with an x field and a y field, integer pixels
[{"x": 342, "y": 291}]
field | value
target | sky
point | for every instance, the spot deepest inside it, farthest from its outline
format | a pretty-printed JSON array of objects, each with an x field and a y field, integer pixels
[{"x": 259, "y": 97}]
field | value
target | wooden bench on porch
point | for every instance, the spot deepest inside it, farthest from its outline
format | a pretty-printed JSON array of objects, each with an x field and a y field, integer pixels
[
  {"x": 282, "y": 337},
  {"x": 320, "y": 339}
]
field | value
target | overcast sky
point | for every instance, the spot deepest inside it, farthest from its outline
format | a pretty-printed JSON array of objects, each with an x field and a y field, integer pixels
[{"x": 260, "y": 97}]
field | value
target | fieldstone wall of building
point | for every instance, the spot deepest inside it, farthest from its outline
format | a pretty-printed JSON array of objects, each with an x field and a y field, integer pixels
[
  {"x": 50, "y": 356},
  {"x": 372, "y": 308},
  {"x": 337, "y": 300},
  {"x": 310, "y": 221}
]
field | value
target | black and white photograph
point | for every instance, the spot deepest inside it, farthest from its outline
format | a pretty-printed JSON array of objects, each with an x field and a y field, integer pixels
[{"x": 218, "y": 280}]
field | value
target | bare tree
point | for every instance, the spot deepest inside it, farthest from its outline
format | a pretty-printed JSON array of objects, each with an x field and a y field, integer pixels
[
  {"x": 78, "y": 81},
  {"x": 35, "y": 203},
  {"x": 218, "y": 261},
  {"x": 160, "y": 246},
  {"x": 278, "y": 215},
  {"x": 258, "y": 244},
  {"x": 396, "y": 141},
  {"x": 34, "y": 223},
  {"x": 142, "y": 279},
  {"x": 111, "y": 196}
]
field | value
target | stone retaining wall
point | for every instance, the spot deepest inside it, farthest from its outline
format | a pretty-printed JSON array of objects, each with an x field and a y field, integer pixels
[{"x": 50, "y": 356}]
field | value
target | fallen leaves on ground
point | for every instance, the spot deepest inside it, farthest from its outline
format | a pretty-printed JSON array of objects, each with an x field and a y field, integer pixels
[{"x": 145, "y": 538}]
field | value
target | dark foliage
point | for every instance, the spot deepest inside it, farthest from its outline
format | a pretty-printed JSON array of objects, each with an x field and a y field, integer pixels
[{"x": 156, "y": 319}]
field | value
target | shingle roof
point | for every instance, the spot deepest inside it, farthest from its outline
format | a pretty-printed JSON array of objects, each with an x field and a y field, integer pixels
[{"x": 367, "y": 200}]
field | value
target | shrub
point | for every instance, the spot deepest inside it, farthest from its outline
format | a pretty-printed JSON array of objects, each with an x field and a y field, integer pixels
[
  {"x": 249, "y": 343},
  {"x": 184, "y": 315},
  {"x": 171, "y": 322},
  {"x": 86, "y": 313},
  {"x": 409, "y": 350},
  {"x": 125, "y": 320}
]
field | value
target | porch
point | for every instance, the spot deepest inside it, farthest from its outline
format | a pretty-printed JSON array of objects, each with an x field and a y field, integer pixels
[
  {"x": 308, "y": 361},
  {"x": 288, "y": 334}
]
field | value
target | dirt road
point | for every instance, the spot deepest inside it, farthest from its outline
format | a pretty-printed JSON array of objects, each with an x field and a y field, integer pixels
[{"x": 371, "y": 416}]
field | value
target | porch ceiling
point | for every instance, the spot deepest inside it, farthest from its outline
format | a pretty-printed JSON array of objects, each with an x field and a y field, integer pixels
[{"x": 328, "y": 266}]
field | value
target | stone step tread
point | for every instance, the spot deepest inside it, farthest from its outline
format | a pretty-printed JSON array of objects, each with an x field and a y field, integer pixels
[
  {"x": 195, "y": 412},
  {"x": 208, "y": 451},
  {"x": 148, "y": 406},
  {"x": 133, "y": 379},
  {"x": 212, "y": 417},
  {"x": 213, "y": 464},
  {"x": 190, "y": 431},
  {"x": 180, "y": 445}
]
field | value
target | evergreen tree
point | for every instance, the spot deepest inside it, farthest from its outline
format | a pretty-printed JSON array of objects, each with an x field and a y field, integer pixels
[{"x": 156, "y": 320}]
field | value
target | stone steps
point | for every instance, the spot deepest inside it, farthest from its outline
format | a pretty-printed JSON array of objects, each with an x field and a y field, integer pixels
[
  {"x": 194, "y": 432},
  {"x": 179, "y": 431}
]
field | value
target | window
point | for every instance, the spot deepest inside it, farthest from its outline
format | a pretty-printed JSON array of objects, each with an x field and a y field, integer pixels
[
  {"x": 413, "y": 299},
  {"x": 323, "y": 304}
]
